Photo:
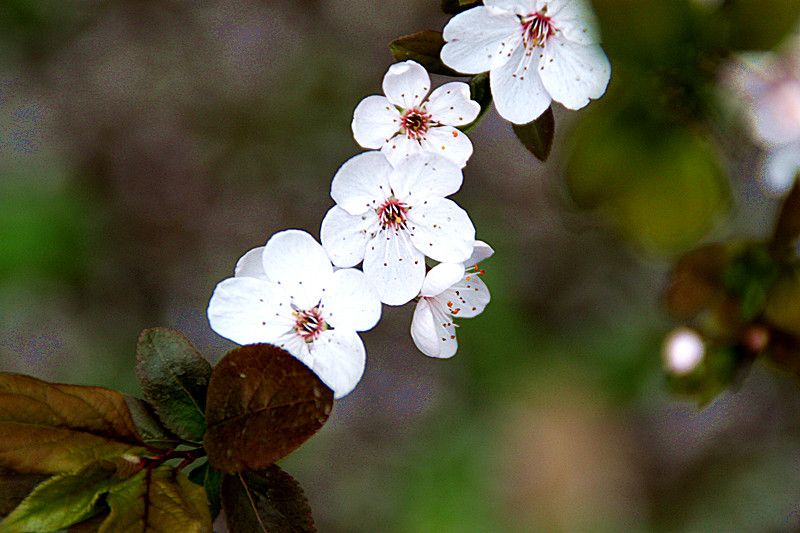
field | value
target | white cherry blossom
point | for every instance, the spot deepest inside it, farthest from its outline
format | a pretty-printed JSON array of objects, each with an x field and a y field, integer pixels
[
  {"x": 767, "y": 86},
  {"x": 408, "y": 120},
  {"x": 392, "y": 217},
  {"x": 450, "y": 290},
  {"x": 287, "y": 294},
  {"x": 535, "y": 51}
]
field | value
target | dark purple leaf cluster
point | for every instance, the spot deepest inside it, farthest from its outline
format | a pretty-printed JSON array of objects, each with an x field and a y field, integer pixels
[{"x": 92, "y": 459}]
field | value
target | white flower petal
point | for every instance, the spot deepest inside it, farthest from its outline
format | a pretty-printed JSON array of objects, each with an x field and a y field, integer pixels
[
  {"x": 295, "y": 345},
  {"x": 406, "y": 84},
  {"x": 441, "y": 277},
  {"x": 421, "y": 176},
  {"x": 480, "y": 251},
  {"x": 432, "y": 331},
  {"x": 776, "y": 113},
  {"x": 450, "y": 104},
  {"x": 449, "y": 142},
  {"x": 480, "y": 39},
  {"x": 361, "y": 183},
  {"x": 780, "y": 168},
  {"x": 519, "y": 95},
  {"x": 575, "y": 20},
  {"x": 251, "y": 264},
  {"x": 394, "y": 267},
  {"x": 574, "y": 73},
  {"x": 338, "y": 357},
  {"x": 375, "y": 121},
  {"x": 423, "y": 329},
  {"x": 345, "y": 236},
  {"x": 442, "y": 230},
  {"x": 520, "y": 7},
  {"x": 400, "y": 147},
  {"x": 350, "y": 301},
  {"x": 297, "y": 262},
  {"x": 249, "y": 310},
  {"x": 466, "y": 298}
]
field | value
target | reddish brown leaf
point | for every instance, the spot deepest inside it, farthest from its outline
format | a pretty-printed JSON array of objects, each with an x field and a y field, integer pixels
[
  {"x": 424, "y": 47},
  {"x": 537, "y": 136},
  {"x": 50, "y": 428},
  {"x": 268, "y": 501},
  {"x": 262, "y": 404}
]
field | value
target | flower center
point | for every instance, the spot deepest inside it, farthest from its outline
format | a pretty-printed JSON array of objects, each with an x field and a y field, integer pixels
[
  {"x": 536, "y": 29},
  {"x": 309, "y": 324},
  {"x": 392, "y": 214},
  {"x": 415, "y": 123}
]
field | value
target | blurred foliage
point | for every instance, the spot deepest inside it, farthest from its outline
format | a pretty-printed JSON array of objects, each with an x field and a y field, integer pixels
[
  {"x": 742, "y": 297},
  {"x": 34, "y": 29},
  {"x": 140, "y": 230},
  {"x": 644, "y": 154},
  {"x": 663, "y": 190},
  {"x": 43, "y": 235}
]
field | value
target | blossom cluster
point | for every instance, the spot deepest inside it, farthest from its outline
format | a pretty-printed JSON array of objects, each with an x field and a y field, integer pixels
[{"x": 392, "y": 214}]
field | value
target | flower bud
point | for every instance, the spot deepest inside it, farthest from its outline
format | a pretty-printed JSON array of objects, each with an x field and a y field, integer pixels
[{"x": 683, "y": 350}]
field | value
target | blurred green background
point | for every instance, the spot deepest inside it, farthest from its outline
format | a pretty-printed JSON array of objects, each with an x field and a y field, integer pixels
[{"x": 146, "y": 145}]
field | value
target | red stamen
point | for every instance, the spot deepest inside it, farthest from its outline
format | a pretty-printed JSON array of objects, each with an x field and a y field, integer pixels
[
  {"x": 392, "y": 214},
  {"x": 415, "y": 123},
  {"x": 536, "y": 29}
]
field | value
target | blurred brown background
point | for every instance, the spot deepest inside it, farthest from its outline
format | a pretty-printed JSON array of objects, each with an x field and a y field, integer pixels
[{"x": 146, "y": 145}]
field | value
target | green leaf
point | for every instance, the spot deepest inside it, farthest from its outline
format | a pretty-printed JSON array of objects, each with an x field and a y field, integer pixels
[
  {"x": 423, "y": 47},
  {"x": 481, "y": 92},
  {"x": 150, "y": 429},
  {"x": 454, "y": 7},
  {"x": 211, "y": 480},
  {"x": 537, "y": 136},
  {"x": 174, "y": 379},
  {"x": 49, "y": 428},
  {"x": 787, "y": 227},
  {"x": 65, "y": 499},
  {"x": 750, "y": 276},
  {"x": 15, "y": 487},
  {"x": 162, "y": 500},
  {"x": 268, "y": 501},
  {"x": 262, "y": 404}
]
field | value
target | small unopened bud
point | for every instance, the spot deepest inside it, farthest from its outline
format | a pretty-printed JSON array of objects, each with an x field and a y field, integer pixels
[
  {"x": 756, "y": 338},
  {"x": 683, "y": 350}
]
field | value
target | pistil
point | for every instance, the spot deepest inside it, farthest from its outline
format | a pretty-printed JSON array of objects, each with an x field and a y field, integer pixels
[
  {"x": 415, "y": 123},
  {"x": 309, "y": 324},
  {"x": 392, "y": 214},
  {"x": 536, "y": 29}
]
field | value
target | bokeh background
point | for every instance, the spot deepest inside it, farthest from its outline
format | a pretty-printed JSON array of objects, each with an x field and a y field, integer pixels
[{"x": 145, "y": 145}]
